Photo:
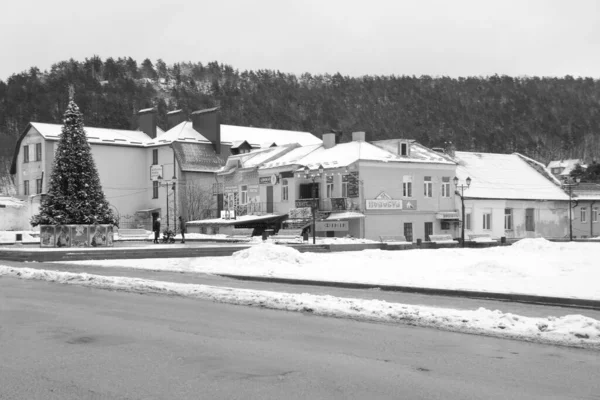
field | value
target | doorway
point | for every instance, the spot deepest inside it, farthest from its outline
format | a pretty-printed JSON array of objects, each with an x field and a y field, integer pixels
[
  {"x": 428, "y": 230},
  {"x": 269, "y": 199}
]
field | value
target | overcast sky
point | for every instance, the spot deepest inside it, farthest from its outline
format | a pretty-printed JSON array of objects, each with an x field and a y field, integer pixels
[{"x": 367, "y": 37}]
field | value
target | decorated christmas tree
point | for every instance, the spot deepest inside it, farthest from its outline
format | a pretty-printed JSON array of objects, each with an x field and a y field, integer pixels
[{"x": 74, "y": 195}]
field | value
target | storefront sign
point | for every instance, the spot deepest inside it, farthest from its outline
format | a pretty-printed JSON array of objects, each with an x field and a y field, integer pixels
[
  {"x": 336, "y": 226},
  {"x": 268, "y": 180},
  {"x": 305, "y": 203},
  {"x": 252, "y": 190},
  {"x": 231, "y": 189},
  {"x": 156, "y": 172},
  {"x": 384, "y": 204}
]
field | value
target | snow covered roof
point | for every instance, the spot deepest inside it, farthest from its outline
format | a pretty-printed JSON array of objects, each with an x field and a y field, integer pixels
[
  {"x": 257, "y": 157},
  {"x": 96, "y": 135},
  {"x": 566, "y": 165},
  {"x": 344, "y": 154},
  {"x": 587, "y": 191},
  {"x": 293, "y": 157},
  {"x": 418, "y": 152},
  {"x": 233, "y": 135},
  {"x": 504, "y": 176}
]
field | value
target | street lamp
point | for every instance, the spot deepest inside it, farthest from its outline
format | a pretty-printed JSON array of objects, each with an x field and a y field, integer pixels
[
  {"x": 462, "y": 200},
  {"x": 570, "y": 182},
  {"x": 313, "y": 175}
]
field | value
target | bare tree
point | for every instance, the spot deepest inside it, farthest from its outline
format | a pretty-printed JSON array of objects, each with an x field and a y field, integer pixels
[{"x": 197, "y": 196}]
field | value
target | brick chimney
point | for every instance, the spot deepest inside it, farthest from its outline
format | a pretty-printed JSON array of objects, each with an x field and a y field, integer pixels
[
  {"x": 174, "y": 118},
  {"x": 329, "y": 140},
  {"x": 359, "y": 136},
  {"x": 147, "y": 122},
  {"x": 208, "y": 124}
]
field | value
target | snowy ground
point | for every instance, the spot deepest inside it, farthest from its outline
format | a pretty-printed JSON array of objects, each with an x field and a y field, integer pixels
[{"x": 532, "y": 266}]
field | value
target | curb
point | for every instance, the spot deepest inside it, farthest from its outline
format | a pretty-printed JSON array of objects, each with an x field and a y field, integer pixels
[{"x": 509, "y": 297}]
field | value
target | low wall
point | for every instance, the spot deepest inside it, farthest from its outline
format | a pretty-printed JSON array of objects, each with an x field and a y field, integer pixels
[{"x": 76, "y": 236}]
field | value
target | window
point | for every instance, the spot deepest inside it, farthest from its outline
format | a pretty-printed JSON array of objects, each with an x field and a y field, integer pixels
[
  {"x": 407, "y": 186},
  {"x": 244, "y": 194},
  {"x": 155, "y": 157},
  {"x": 529, "y": 221},
  {"x": 408, "y": 231},
  {"x": 508, "y": 219},
  {"x": 583, "y": 215},
  {"x": 38, "y": 152},
  {"x": 25, "y": 154},
  {"x": 26, "y": 187},
  {"x": 404, "y": 149},
  {"x": 556, "y": 171},
  {"x": 329, "y": 187},
  {"x": 155, "y": 189},
  {"x": 445, "y": 225},
  {"x": 446, "y": 186},
  {"x": 595, "y": 214},
  {"x": 468, "y": 221},
  {"x": 306, "y": 190},
  {"x": 427, "y": 187},
  {"x": 487, "y": 220},
  {"x": 38, "y": 186},
  {"x": 285, "y": 194},
  {"x": 344, "y": 185}
]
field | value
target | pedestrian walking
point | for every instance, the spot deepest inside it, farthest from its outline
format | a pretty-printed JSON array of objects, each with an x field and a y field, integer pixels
[
  {"x": 156, "y": 229},
  {"x": 182, "y": 228}
]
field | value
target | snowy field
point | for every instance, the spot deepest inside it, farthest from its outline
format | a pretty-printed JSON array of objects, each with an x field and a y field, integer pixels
[{"x": 530, "y": 266}]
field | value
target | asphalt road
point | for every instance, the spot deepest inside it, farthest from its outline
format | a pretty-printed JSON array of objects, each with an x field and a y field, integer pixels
[{"x": 69, "y": 342}]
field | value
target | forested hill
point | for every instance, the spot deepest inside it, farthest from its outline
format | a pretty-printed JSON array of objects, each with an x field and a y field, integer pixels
[{"x": 544, "y": 118}]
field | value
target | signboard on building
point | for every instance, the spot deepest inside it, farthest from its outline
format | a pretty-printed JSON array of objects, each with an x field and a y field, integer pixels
[
  {"x": 264, "y": 180},
  {"x": 384, "y": 201},
  {"x": 231, "y": 189},
  {"x": 305, "y": 203},
  {"x": 252, "y": 190},
  {"x": 338, "y": 203},
  {"x": 336, "y": 226},
  {"x": 300, "y": 213},
  {"x": 227, "y": 214},
  {"x": 156, "y": 172}
]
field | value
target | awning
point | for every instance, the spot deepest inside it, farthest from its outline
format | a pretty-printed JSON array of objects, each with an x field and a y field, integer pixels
[
  {"x": 344, "y": 215},
  {"x": 246, "y": 219},
  {"x": 447, "y": 215}
]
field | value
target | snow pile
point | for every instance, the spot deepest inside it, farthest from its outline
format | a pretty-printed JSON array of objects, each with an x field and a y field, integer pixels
[
  {"x": 269, "y": 253},
  {"x": 534, "y": 245},
  {"x": 571, "y": 330}
]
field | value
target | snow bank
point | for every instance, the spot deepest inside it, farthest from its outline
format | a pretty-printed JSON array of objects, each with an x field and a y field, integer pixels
[
  {"x": 570, "y": 330},
  {"x": 270, "y": 253}
]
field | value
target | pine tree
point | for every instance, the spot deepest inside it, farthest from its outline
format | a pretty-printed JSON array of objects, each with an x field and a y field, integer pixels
[{"x": 75, "y": 195}]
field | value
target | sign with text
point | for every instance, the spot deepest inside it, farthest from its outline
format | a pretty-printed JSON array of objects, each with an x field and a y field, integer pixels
[
  {"x": 336, "y": 226},
  {"x": 384, "y": 204},
  {"x": 156, "y": 172},
  {"x": 264, "y": 180}
]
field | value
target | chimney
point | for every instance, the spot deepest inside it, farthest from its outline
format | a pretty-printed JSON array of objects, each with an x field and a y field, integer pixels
[
  {"x": 174, "y": 118},
  {"x": 450, "y": 149},
  {"x": 358, "y": 136},
  {"x": 329, "y": 140},
  {"x": 147, "y": 121},
  {"x": 208, "y": 124}
]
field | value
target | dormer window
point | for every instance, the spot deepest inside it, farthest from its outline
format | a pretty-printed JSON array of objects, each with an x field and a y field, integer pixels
[{"x": 403, "y": 149}]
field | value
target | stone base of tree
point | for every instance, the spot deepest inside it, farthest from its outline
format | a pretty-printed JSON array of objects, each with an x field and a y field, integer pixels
[{"x": 76, "y": 235}]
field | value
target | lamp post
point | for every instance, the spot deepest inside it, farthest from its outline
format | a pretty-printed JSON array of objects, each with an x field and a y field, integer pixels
[
  {"x": 462, "y": 188},
  {"x": 570, "y": 183},
  {"x": 313, "y": 175}
]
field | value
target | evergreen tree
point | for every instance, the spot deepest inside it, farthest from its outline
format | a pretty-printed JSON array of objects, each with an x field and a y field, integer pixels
[{"x": 75, "y": 195}]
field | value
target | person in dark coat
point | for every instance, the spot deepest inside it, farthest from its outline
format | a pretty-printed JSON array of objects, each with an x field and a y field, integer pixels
[
  {"x": 156, "y": 229},
  {"x": 182, "y": 228}
]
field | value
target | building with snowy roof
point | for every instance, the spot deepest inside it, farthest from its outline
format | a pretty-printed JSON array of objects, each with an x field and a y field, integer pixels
[
  {"x": 147, "y": 173},
  {"x": 562, "y": 168},
  {"x": 585, "y": 203},
  {"x": 510, "y": 196}
]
